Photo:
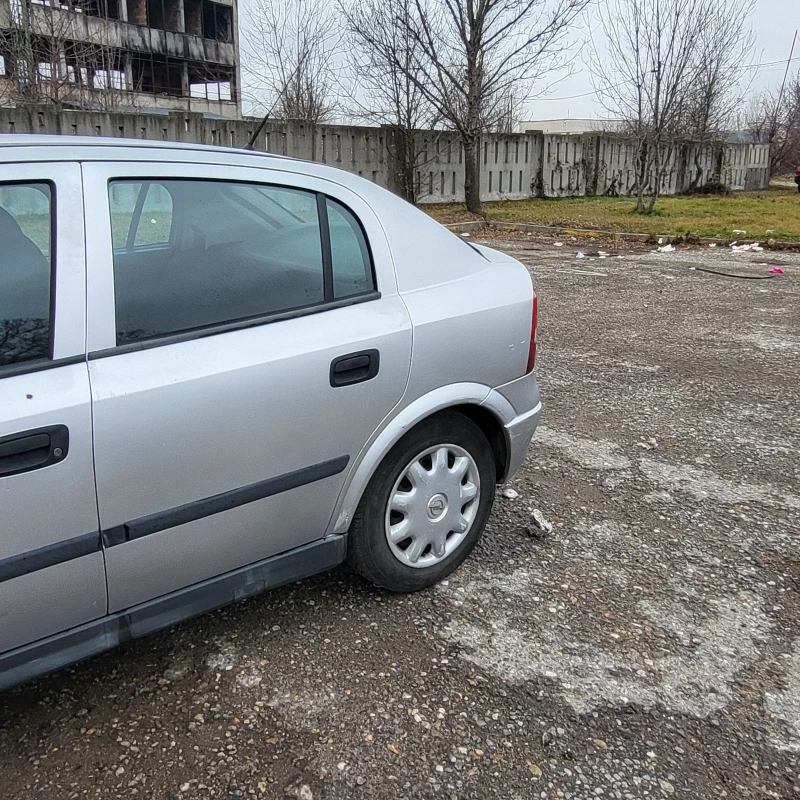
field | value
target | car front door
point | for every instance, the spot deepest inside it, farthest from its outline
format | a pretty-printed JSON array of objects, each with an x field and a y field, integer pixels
[
  {"x": 51, "y": 567},
  {"x": 240, "y": 357}
]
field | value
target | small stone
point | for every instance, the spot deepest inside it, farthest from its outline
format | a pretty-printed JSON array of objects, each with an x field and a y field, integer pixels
[
  {"x": 666, "y": 786},
  {"x": 185, "y": 787},
  {"x": 304, "y": 792},
  {"x": 509, "y": 493}
]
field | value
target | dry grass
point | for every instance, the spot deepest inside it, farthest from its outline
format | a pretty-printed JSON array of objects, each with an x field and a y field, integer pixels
[{"x": 776, "y": 210}]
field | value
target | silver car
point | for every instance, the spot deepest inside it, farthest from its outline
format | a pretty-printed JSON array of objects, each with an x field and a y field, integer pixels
[{"x": 221, "y": 371}]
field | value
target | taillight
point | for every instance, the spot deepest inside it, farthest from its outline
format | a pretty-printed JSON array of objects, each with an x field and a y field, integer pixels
[{"x": 534, "y": 323}]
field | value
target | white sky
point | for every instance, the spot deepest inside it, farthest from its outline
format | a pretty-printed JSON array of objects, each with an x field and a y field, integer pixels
[{"x": 774, "y": 23}]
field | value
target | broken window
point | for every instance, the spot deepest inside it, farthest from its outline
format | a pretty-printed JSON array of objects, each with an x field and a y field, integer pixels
[
  {"x": 211, "y": 91},
  {"x": 98, "y": 8},
  {"x": 193, "y": 17},
  {"x": 157, "y": 75},
  {"x": 108, "y": 79},
  {"x": 155, "y": 13},
  {"x": 217, "y": 21},
  {"x": 210, "y": 82}
]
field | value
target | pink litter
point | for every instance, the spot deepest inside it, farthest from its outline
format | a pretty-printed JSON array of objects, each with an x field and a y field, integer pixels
[{"x": 777, "y": 270}]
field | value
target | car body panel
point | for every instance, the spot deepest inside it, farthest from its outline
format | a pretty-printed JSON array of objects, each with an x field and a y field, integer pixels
[
  {"x": 180, "y": 422},
  {"x": 44, "y": 509}
]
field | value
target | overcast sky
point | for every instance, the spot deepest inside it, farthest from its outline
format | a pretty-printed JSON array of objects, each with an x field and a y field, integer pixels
[{"x": 774, "y": 23}]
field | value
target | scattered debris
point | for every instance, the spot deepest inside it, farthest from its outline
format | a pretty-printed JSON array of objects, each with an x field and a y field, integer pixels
[
  {"x": 558, "y": 244},
  {"x": 509, "y": 493},
  {"x": 580, "y": 255},
  {"x": 667, "y": 248},
  {"x": 713, "y": 244},
  {"x": 755, "y": 247},
  {"x": 739, "y": 233},
  {"x": 777, "y": 271},
  {"x": 539, "y": 525}
]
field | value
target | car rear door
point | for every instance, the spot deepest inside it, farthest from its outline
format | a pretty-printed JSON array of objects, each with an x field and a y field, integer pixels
[
  {"x": 51, "y": 567},
  {"x": 239, "y": 358}
]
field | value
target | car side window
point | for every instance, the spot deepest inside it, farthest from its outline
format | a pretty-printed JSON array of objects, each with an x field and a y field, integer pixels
[
  {"x": 352, "y": 265},
  {"x": 219, "y": 252},
  {"x": 25, "y": 271}
]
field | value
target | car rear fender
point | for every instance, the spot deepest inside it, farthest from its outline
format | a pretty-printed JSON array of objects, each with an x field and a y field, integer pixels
[{"x": 382, "y": 441}]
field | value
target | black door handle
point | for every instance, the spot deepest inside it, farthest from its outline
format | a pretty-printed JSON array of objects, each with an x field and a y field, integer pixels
[
  {"x": 355, "y": 367},
  {"x": 22, "y": 452}
]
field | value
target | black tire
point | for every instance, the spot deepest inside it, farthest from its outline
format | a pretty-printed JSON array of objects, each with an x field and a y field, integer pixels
[{"x": 368, "y": 551}]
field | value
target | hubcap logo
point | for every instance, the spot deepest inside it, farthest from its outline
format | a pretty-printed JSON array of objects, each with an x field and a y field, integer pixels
[{"x": 437, "y": 505}]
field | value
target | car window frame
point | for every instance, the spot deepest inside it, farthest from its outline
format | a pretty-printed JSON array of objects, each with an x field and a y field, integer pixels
[
  {"x": 48, "y": 361},
  {"x": 329, "y": 301}
]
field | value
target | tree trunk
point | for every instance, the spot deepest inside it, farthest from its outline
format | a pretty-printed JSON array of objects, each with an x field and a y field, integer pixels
[
  {"x": 641, "y": 177},
  {"x": 472, "y": 175}
]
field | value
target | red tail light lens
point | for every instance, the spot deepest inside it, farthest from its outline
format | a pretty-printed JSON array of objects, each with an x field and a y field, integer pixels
[{"x": 534, "y": 324}]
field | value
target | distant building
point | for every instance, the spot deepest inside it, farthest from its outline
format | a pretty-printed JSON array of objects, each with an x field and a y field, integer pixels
[
  {"x": 121, "y": 54},
  {"x": 569, "y": 125}
]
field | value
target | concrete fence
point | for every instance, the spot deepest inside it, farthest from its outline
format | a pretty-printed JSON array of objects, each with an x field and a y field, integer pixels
[{"x": 513, "y": 166}]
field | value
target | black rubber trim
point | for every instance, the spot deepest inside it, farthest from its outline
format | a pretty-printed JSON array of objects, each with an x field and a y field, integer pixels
[
  {"x": 225, "y": 501},
  {"x": 250, "y": 322},
  {"x": 38, "y": 365},
  {"x": 325, "y": 241},
  {"x": 102, "y": 634},
  {"x": 48, "y": 556}
]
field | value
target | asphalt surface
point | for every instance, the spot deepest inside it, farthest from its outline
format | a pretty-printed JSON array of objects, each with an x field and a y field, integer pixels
[{"x": 648, "y": 647}]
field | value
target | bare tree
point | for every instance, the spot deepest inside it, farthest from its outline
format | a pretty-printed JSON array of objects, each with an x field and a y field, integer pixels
[
  {"x": 661, "y": 66},
  {"x": 62, "y": 54},
  {"x": 289, "y": 49},
  {"x": 774, "y": 118},
  {"x": 724, "y": 48},
  {"x": 471, "y": 55},
  {"x": 383, "y": 57}
]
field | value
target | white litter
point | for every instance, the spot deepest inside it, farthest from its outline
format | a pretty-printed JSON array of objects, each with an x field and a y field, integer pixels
[
  {"x": 770, "y": 231},
  {"x": 580, "y": 255},
  {"x": 739, "y": 233},
  {"x": 713, "y": 244},
  {"x": 153, "y": 221},
  {"x": 559, "y": 244},
  {"x": 755, "y": 247},
  {"x": 465, "y": 235},
  {"x": 661, "y": 241},
  {"x": 667, "y": 248},
  {"x": 509, "y": 493}
]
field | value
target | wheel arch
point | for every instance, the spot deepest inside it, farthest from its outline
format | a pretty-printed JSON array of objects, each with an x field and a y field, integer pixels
[{"x": 489, "y": 410}]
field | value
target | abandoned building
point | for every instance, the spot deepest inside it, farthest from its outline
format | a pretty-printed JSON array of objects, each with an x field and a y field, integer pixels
[{"x": 117, "y": 55}]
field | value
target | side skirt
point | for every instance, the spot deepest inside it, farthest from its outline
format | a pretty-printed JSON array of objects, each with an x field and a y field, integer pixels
[{"x": 102, "y": 634}]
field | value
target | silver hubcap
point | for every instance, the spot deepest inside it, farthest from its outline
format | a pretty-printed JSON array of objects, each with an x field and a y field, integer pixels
[{"x": 433, "y": 505}]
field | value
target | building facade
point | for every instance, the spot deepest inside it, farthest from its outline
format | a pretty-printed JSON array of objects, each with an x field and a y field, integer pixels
[{"x": 121, "y": 55}]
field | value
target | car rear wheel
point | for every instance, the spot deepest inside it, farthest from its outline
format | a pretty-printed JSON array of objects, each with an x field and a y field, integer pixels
[{"x": 426, "y": 506}]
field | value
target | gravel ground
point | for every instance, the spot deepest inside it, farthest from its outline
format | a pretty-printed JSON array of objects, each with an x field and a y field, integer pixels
[{"x": 648, "y": 647}]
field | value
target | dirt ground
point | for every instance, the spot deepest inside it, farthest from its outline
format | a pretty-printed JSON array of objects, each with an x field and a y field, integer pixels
[{"x": 648, "y": 647}]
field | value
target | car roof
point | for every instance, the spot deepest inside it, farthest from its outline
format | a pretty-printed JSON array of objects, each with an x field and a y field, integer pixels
[
  {"x": 59, "y": 141},
  {"x": 16, "y": 148}
]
